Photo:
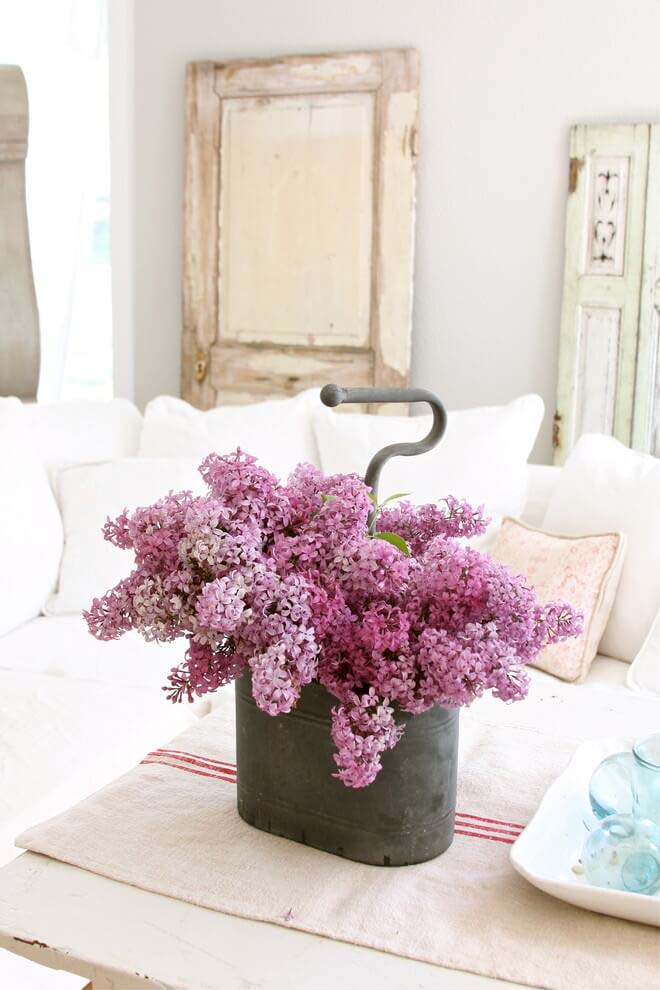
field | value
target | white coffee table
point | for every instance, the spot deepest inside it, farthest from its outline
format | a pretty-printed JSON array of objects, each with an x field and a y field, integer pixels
[{"x": 120, "y": 937}]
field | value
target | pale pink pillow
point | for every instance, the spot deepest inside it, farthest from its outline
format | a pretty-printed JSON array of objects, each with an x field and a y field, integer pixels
[{"x": 582, "y": 570}]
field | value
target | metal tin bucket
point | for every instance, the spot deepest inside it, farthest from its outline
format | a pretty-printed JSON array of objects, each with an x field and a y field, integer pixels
[{"x": 286, "y": 787}]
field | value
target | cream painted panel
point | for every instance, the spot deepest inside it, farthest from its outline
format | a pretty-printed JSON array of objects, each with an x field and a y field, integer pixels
[
  {"x": 296, "y": 219},
  {"x": 598, "y": 348}
]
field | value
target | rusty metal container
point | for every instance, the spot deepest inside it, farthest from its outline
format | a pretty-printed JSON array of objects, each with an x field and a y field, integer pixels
[{"x": 286, "y": 787}]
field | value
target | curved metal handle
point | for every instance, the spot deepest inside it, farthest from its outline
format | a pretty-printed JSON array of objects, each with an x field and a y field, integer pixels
[{"x": 337, "y": 395}]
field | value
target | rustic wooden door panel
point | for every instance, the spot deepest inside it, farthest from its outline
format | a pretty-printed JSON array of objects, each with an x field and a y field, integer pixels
[
  {"x": 602, "y": 276},
  {"x": 299, "y": 215}
]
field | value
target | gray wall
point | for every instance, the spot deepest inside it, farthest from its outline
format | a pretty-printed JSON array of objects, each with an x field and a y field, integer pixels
[{"x": 501, "y": 84}]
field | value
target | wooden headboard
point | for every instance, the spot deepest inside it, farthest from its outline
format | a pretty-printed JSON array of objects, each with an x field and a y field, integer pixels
[
  {"x": 19, "y": 317},
  {"x": 298, "y": 224}
]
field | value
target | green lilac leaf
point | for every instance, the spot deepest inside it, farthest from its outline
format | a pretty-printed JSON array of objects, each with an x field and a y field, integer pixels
[
  {"x": 396, "y": 541},
  {"x": 392, "y": 498}
]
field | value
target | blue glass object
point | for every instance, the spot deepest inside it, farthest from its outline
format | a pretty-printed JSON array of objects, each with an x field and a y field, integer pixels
[
  {"x": 610, "y": 791},
  {"x": 646, "y": 778},
  {"x": 629, "y": 783},
  {"x": 623, "y": 853}
]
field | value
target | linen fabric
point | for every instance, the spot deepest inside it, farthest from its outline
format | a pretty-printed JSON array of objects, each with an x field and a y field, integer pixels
[
  {"x": 87, "y": 496},
  {"x": 582, "y": 570},
  {"x": 468, "y": 909},
  {"x": 277, "y": 432},
  {"x": 603, "y": 487},
  {"x": 482, "y": 456},
  {"x": 31, "y": 534}
]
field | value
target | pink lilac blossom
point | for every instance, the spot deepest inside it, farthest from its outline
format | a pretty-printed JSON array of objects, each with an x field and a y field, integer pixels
[{"x": 285, "y": 581}]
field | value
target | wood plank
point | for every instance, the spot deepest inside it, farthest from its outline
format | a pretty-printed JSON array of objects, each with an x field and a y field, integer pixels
[
  {"x": 324, "y": 73},
  {"x": 122, "y": 937},
  {"x": 245, "y": 373},
  {"x": 200, "y": 243},
  {"x": 395, "y": 204}
]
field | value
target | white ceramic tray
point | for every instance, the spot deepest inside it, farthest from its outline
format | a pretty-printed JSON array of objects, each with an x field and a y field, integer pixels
[{"x": 550, "y": 846}]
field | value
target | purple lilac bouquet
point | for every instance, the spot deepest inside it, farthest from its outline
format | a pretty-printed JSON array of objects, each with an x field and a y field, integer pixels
[{"x": 286, "y": 581}]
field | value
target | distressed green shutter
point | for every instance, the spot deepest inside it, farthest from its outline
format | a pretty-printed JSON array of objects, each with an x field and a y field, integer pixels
[
  {"x": 646, "y": 420},
  {"x": 605, "y": 222}
]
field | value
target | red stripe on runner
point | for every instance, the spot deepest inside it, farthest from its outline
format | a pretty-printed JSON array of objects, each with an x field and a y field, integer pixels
[
  {"x": 200, "y": 762},
  {"x": 488, "y": 828},
  {"x": 493, "y": 821},
  {"x": 198, "y": 756},
  {"x": 227, "y": 772},
  {"x": 480, "y": 835},
  {"x": 199, "y": 773}
]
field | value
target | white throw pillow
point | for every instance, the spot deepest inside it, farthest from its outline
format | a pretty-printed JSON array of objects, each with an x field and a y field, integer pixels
[
  {"x": 644, "y": 671},
  {"x": 30, "y": 524},
  {"x": 482, "y": 456},
  {"x": 606, "y": 486},
  {"x": 278, "y": 432},
  {"x": 83, "y": 431},
  {"x": 87, "y": 496}
]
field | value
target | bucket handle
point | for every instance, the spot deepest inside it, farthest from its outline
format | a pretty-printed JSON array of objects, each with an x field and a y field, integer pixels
[{"x": 337, "y": 395}]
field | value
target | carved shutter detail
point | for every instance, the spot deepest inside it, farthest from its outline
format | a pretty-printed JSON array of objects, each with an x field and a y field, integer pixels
[{"x": 605, "y": 221}]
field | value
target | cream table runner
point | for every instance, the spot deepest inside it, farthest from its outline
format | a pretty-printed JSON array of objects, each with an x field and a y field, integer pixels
[{"x": 171, "y": 826}]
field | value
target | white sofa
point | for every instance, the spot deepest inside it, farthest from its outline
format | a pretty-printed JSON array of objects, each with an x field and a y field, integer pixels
[{"x": 75, "y": 712}]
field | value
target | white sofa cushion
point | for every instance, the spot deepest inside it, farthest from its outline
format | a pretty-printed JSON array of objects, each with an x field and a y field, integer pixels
[
  {"x": 644, "y": 672},
  {"x": 87, "y": 496},
  {"x": 482, "y": 456},
  {"x": 278, "y": 432},
  {"x": 542, "y": 479},
  {"x": 83, "y": 431},
  {"x": 62, "y": 646},
  {"x": 606, "y": 486},
  {"x": 61, "y": 739},
  {"x": 30, "y": 525}
]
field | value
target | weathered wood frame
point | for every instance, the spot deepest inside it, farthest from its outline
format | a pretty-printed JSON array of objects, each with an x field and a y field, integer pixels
[{"x": 217, "y": 371}]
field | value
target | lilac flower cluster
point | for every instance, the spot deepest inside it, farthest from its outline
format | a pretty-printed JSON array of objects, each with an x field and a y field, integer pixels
[{"x": 285, "y": 580}]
